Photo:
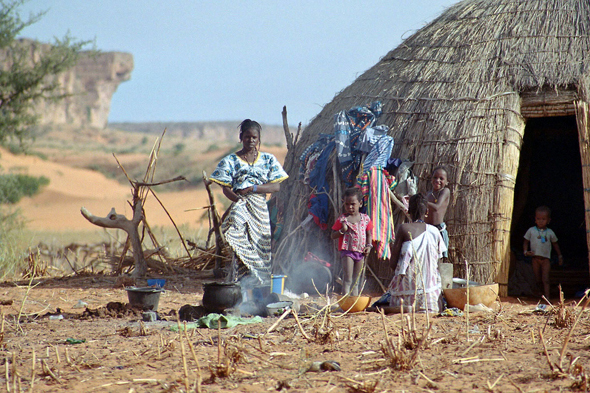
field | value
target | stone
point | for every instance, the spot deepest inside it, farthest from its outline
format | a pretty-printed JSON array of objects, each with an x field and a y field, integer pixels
[
  {"x": 90, "y": 85},
  {"x": 149, "y": 316}
]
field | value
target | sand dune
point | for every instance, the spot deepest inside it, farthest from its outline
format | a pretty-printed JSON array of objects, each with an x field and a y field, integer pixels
[{"x": 57, "y": 207}]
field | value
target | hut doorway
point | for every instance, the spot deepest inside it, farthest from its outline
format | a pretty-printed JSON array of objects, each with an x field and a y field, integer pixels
[{"x": 550, "y": 173}]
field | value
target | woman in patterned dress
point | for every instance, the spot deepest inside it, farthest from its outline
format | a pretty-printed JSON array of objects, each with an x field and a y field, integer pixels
[
  {"x": 246, "y": 177},
  {"x": 415, "y": 255}
]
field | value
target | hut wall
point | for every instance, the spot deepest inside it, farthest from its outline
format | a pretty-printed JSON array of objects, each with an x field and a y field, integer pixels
[
  {"x": 504, "y": 198},
  {"x": 582, "y": 114},
  {"x": 451, "y": 95}
]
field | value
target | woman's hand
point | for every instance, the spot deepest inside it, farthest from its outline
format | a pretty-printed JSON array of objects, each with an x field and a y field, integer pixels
[
  {"x": 245, "y": 191},
  {"x": 368, "y": 248}
]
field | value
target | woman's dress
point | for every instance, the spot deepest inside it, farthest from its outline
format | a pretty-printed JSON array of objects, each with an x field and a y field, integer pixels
[
  {"x": 247, "y": 226},
  {"x": 416, "y": 274}
]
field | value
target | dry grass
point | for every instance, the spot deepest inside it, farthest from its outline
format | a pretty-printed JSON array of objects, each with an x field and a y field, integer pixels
[
  {"x": 564, "y": 315},
  {"x": 401, "y": 354}
]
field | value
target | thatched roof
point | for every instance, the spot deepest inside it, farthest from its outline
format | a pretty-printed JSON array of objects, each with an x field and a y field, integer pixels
[{"x": 452, "y": 96}]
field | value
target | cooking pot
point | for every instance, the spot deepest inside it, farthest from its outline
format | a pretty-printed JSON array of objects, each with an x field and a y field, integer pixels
[{"x": 218, "y": 296}]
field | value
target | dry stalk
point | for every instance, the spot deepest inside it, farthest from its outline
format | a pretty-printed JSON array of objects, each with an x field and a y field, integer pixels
[
  {"x": 567, "y": 338},
  {"x": 399, "y": 355},
  {"x": 47, "y": 371},
  {"x": 362, "y": 387},
  {"x": 2, "y": 331},
  {"x": 564, "y": 315},
  {"x": 551, "y": 366},
  {"x": 300, "y": 327},
  {"x": 574, "y": 371},
  {"x": 466, "y": 308},
  {"x": 274, "y": 325},
  {"x": 199, "y": 377},
  {"x": 22, "y": 305},
  {"x": 232, "y": 355},
  {"x": 14, "y": 372},
  {"x": 183, "y": 353},
  {"x": 218, "y": 342},
  {"x": 34, "y": 360},
  {"x": 7, "y": 374}
]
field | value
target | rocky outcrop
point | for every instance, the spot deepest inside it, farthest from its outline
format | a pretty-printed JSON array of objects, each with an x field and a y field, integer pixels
[{"x": 90, "y": 85}]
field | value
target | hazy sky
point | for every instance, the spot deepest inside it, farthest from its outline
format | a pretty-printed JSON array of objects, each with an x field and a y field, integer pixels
[{"x": 229, "y": 60}]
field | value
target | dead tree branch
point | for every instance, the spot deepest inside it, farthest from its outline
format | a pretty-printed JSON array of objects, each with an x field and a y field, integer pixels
[{"x": 119, "y": 221}]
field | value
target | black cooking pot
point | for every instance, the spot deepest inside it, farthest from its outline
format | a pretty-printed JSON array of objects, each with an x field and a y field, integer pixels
[{"x": 218, "y": 296}]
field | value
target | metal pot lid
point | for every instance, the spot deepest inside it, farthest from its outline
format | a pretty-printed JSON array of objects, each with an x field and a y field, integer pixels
[
  {"x": 144, "y": 289},
  {"x": 221, "y": 284}
]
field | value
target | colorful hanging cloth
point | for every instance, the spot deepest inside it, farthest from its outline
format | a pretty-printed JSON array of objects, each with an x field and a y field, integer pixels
[{"x": 375, "y": 185}]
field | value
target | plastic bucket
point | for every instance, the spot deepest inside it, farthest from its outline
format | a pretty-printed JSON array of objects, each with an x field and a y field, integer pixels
[
  {"x": 278, "y": 284},
  {"x": 145, "y": 298},
  {"x": 156, "y": 282}
]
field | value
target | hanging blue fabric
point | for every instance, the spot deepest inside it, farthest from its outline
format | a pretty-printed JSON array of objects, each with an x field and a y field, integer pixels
[{"x": 348, "y": 126}]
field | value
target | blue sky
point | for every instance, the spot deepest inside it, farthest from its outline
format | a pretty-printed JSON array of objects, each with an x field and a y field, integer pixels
[{"x": 229, "y": 60}]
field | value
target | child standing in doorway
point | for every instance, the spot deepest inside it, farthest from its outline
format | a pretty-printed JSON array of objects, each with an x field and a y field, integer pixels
[
  {"x": 353, "y": 229},
  {"x": 438, "y": 202},
  {"x": 540, "y": 238}
]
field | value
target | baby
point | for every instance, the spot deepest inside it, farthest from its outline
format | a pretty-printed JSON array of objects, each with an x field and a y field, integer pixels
[{"x": 541, "y": 238}]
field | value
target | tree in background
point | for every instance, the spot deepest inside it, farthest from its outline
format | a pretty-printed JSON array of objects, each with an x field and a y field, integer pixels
[{"x": 27, "y": 77}]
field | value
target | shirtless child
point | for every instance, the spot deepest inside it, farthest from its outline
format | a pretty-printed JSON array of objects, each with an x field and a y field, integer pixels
[{"x": 438, "y": 201}]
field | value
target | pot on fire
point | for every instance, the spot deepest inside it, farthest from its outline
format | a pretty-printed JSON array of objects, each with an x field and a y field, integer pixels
[{"x": 218, "y": 296}]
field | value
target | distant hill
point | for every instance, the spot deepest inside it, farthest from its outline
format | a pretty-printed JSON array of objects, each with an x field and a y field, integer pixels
[
  {"x": 226, "y": 131},
  {"x": 187, "y": 149}
]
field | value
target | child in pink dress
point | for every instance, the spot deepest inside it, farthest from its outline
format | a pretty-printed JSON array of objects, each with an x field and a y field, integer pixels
[{"x": 353, "y": 229}]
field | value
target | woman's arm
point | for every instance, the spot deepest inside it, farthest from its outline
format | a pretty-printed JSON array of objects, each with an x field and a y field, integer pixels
[
  {"x": 230, "y": 194},
  {"x": 267, "y": 188},
  {"x": 397, "y": 246}
]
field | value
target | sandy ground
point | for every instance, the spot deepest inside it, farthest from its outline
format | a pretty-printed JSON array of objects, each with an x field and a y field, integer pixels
[
  {"x": 57, "y": 207},
  {"x": 503, "y": 351},
  {"x": 499, "y": 351}
]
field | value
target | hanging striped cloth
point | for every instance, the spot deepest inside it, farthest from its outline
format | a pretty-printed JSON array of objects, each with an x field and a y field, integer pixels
[{"x": 375, "y": 187}]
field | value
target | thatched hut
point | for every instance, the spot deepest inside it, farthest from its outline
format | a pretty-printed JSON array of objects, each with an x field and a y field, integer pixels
[{"x": 498, "y": 92}]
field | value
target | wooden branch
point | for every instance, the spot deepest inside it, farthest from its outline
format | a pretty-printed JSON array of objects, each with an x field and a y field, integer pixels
[
  {"x": 119, "y": 221},
  {"x": 216, "y": 223},
  {"x": 142, "y": 184},
  {"x": 298, "y": 134},
  {"x": 376, "y": 278},
  {"x": 171, "y": 220},
  {"x": 288, "y": 134}
]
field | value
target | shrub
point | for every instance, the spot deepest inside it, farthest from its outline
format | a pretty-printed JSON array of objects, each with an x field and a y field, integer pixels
[
  {"x": 12, "y": 248},
  {"x": 15, "y": 186}
]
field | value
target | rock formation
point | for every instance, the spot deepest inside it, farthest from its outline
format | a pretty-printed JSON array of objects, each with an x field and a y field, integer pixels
[{"x": 91, "y": 85}]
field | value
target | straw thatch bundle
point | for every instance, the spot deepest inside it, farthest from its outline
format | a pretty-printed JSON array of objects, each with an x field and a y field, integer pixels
[{"x": 458, "y": 93}]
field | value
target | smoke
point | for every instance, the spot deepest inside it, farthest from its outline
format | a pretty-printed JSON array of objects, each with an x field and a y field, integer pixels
[
  {"x": 307, "y": 276},
  {"x": 255, "y": 297}
]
